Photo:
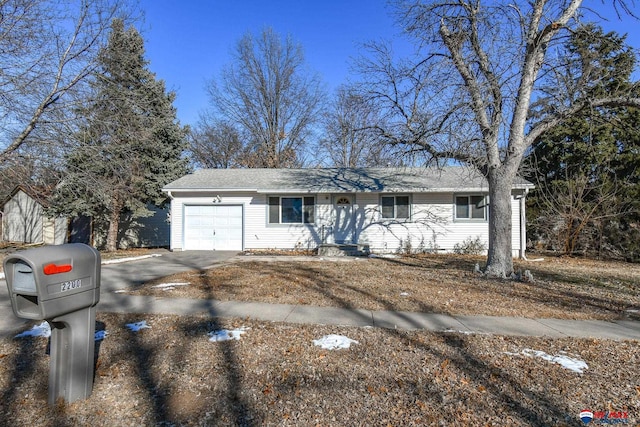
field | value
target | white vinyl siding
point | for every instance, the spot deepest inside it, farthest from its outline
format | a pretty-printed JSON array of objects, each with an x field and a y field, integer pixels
[
  {"x": 258, "y": 233},
  {"x": 431, "y": 227},
  {"x": 23, "y": 220}
]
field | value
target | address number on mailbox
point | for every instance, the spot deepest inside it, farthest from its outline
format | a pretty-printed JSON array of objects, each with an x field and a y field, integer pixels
[{"x": 70, "y": 285}]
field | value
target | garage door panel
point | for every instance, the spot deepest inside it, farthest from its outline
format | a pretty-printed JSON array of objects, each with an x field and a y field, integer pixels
[{"x": 213, "y": 227}]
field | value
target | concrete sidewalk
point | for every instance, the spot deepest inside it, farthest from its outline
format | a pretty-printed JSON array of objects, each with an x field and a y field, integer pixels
[
  {"x": 514, "y": 326},
  {"x": 555, "y": 328}
]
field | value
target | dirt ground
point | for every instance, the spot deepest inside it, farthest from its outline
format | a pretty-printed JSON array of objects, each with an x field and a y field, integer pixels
[{"x": 171, "y": 374}]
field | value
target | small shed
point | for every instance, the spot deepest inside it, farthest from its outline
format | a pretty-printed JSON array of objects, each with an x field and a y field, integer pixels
[{"x": 24, "y": 219}]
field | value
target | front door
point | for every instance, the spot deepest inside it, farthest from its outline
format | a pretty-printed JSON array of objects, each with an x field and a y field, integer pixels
[{"x": 344, "y": 220}]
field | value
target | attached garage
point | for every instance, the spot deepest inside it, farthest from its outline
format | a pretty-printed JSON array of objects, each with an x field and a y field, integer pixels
[{"x": 213, "y": 227}]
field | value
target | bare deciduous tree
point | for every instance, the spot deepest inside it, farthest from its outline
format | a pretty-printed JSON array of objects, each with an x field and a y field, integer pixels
[
  {"x": 267, "y": 92},
  {"x": 215, "y": 144},
  {"x": 47, "y": 50},
  {"x": 575, "y": 208},
  {"x": 350, "y": 138},
  {"x": 485, "y": 68}
]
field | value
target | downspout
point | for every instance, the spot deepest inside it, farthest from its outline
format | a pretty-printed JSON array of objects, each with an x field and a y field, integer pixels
[
  {"x": 523, "y": 225},
  {"x": 169, "y": 219}
]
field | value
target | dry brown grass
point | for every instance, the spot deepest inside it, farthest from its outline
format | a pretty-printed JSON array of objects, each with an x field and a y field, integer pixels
[
  {"x": 562, "y": 288},
  {"x": 172, "y": 375},
  {"x": 274, "y": 376}
]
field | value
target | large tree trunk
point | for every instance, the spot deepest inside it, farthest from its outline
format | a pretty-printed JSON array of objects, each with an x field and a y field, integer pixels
[
  {"x": 500, "y": 256},
  {"x": 114, "y": 223}
]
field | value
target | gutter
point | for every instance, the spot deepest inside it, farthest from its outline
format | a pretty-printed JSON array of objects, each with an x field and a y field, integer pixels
[
  {"x": 208, "y": 190},
  {"x": 174, "y": 191}
]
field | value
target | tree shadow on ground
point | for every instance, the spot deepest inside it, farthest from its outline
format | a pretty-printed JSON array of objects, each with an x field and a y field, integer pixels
[
  {"x": 506, "y": 388},
  {"x": 571, "y": 291},
  {"x": 23, "y": 369}
]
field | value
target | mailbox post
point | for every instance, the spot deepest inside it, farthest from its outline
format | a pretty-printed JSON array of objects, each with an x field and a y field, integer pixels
[{"x": 60, "y": 284}]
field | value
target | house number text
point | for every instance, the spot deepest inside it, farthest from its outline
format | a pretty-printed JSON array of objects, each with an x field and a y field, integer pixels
[{"x": 71, "y": 284}]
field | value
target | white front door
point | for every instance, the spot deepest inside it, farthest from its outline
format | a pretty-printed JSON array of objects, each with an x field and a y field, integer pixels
[
  {"x": 344, "y": 221},
  {"x": 213, "y": 227}
]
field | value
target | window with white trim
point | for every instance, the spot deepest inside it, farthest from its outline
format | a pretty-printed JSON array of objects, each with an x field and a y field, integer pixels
[
  {"x": 292, "y": 209},
  {"x": 395, "y": 207},
  {"x": 471, "y": 208}
]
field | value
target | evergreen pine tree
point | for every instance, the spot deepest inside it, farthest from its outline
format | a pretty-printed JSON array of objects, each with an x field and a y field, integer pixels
[
  {"x": 131, "y": 144},
  {"x": 586, "y": 169}
]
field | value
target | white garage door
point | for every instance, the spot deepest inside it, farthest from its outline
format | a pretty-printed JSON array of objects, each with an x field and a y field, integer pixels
[{"x": 213, "y": 228}]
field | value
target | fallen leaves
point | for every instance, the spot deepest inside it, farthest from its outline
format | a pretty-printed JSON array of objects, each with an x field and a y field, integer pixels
[{"x": 442, "y": 283}]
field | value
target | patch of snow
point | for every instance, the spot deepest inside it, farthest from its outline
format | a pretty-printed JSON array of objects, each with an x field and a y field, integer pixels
[
  {"x": 404, "y": 294},
  {"x": 120, "y": 291},
  {"x": 44, "y": 330},
  {"x": 170, "y": 286},
  {"x": 226, "y": 335},
  {"x": 1, "y": 275},
  {"x": 41, "y": 330},
  {"x": 135, "y": 327},
  {"x": 453, "y": 331},
  {"x": 565, "y": 361},
  {"x": 333, "y": 342},
  {"x": 119, "y": 260},
  {"x": 476, "y": 269},
  {"x": 388, "y": 256}
]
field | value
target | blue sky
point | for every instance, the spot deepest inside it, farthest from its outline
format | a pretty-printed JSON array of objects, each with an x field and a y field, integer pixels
[{"x": 189, "y": 42}]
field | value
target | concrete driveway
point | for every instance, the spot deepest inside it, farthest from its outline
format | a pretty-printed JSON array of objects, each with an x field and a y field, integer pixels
[
  {"x": 133, "y": 273},
  {"x": 125, "y": 275}
]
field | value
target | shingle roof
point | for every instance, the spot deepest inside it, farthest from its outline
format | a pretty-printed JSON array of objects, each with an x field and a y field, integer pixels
[{"x": 335, "y": 180}]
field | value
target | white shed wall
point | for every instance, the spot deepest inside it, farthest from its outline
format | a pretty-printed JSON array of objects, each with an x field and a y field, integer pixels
[
  {"x": 22, "y": 219},
  {"x": 54, "y": 230}
]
